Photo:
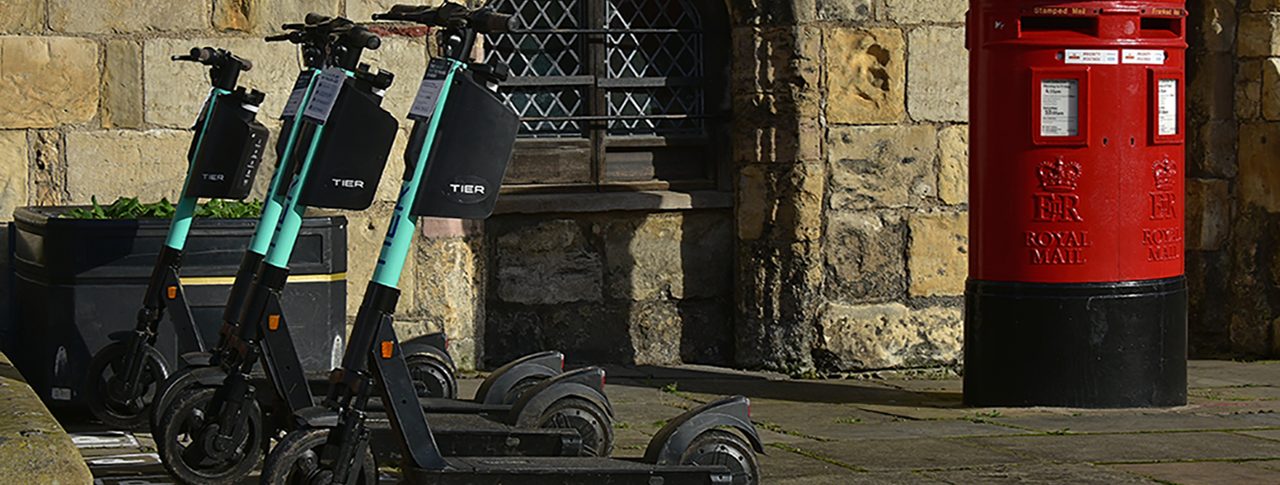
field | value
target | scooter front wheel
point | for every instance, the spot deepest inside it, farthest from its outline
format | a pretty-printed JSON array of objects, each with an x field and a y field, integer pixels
[
  {"x": 296, "y": 461},
  {"x": 177, "y": 384},
  {"x": 432, "y": 377},
  {"x": 104, "y": 386},
  {"x": 193, "y": 451},
  {"x": 720, "y": 447},
  {"x": 588, "y": 419}
]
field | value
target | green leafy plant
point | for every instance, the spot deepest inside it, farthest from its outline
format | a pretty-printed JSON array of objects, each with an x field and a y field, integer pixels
[{"x": 130, "y": 208}]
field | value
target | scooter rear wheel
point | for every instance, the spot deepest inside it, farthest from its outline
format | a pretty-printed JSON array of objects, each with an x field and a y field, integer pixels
[
  {"x": 105, "y": 372},
  {"x": 296, "y": 461},
  {"x": 590, "y": 421},
  {"x": 187, "y": 430},
  {"x": 720, "y": 447},
  {"x": 432, "y": 377}
]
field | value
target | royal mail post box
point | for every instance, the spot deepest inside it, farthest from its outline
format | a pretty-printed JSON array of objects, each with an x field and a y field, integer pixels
[{"x": 1076, "y": 294}]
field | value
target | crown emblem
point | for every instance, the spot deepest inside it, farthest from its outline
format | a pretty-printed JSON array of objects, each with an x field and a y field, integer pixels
[
  {"x": 1058, "y": 175},
  {"x": 1166, "y": 173}
]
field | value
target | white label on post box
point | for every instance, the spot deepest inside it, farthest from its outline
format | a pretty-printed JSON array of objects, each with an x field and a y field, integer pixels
[
  {"x": 1167, "y": 107},
  {"x": 1059, "y": 107},
  {"x": 1092, "y": 56},
  {"x": 1142, "y": 56}
]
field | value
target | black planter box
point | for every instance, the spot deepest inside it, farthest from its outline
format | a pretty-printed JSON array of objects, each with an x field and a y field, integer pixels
[{"x": 76, "y": 281}]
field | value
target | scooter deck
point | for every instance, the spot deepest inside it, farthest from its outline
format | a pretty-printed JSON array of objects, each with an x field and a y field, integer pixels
[{"x": 563, "y": 471}]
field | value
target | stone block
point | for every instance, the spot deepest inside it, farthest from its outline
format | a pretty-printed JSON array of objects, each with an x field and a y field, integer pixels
[
  {"x": 866, "y": 72},
  {"x": 863, "y": 257},
  {"x": 128, "y": 16},
  {"x": 34, "y": 447},
  {"x": 846, "y": 10},
  {"x": 122, "y": 85},
  {"x": 777, "y": 60},
  {"x": 1212, "y": 148},
  {"x": 1258, "y": 35},
  {"x": 926, "y": 11},
  {"x": 782, "y": 128},
  {"x": 1211, "y": 87},
  {"x": 266, "y": 16},
  {"x": 450, "y": 293},
  {"x": 47, "y": 81},
  {"x": 953, "y": 164},
  {"x": 548, "y": 263},
  {"x": 126, "y": 163},
  {"x": 892, "y": 335},
  {"x": 938, "y": 74},
  {"x": 1259, "y": 180},
  {"x": 366, "y": 231},
  {"x": 176, "y": 90},
  {"x": 772, "y": 12},
  {"x": 21, "y": 16},
  {"x": 654, "y": 329},
  {"x": 881, "y": 166},
  {"x": 1249, "y": 89},
  {"x": 753, "y": 201},
  {"x": 586, "y": 332},
  {"x": 13, "y": 172},
  {"x": 407, "y": 59},
  {"x": 1271, "y": 89},
  {"x": 938, "y": 254},
  {"x": 668, "y": 256},
  {"x": 361, "y": 11},
  {"x": 1208, "y": 213}
]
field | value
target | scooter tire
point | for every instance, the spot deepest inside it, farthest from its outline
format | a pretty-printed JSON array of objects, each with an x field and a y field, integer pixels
[
  {"x": 184, "y": 430},
  {"x": 105, "y": 368},
  {"x": 295, "y": 460}
]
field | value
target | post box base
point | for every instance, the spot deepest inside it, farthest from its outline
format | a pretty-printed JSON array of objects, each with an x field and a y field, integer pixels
[{"x": 1094, "y": 345}]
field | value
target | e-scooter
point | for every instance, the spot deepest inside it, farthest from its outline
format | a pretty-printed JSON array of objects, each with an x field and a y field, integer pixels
[
  {"x": 223, "y": 159},
  {"x": 448, "y": 177}
]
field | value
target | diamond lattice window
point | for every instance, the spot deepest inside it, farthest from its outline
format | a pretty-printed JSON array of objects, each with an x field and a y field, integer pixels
[{"x": 615, "y": 93}]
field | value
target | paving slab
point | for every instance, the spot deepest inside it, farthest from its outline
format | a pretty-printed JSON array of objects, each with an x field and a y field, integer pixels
[
  {"x": 910, "y": 454},
  {"x": 1226, "y": 373},
  {"x": 864, "y": 478},
  {"x": 1039, "y": 473},
  {"x": 925, "y": 411},
  {"x": 845, "y": 431},
  {"x": 1122, "y": 423},
  {"x": 1135, "y": 447},
  {"x": 1266, "y": 434},
  {"x": 1204, "y": 473},
  {"x": 782, "y": 463}
]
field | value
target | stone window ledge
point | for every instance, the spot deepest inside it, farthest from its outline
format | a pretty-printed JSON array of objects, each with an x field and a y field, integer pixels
[{"x": 613, "y": 201}]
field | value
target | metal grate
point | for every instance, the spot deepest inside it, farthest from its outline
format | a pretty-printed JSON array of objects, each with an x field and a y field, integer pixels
[{"x": 656, "y": 42}]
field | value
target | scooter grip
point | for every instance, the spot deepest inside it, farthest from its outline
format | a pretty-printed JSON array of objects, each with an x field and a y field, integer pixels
[{"x": 361, "y": 37}]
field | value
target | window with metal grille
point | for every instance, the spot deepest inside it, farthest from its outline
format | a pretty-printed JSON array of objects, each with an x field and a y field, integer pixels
[{"x": 616, "y": 94}]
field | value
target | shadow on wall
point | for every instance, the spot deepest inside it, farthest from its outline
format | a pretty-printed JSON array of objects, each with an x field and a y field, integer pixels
[{"x": 622, "y": 287}]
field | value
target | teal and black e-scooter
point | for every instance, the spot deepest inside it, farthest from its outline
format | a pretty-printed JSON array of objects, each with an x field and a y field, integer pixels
[
  {"x": 226, "y": 150},
  {"x": 461, "y": 142}
]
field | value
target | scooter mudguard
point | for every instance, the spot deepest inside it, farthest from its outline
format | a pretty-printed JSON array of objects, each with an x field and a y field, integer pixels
[
  {"x": 543, "y": 365},
  {"x": 196, "y": 359},
  {"x": 316, "y": 417},
  {"x": 667, "y": 447},
  {"x": 586, "y": 383},
  {"x": 435, "y": 344}
]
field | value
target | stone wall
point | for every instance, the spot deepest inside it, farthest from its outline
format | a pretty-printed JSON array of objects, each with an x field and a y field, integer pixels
[
  {"x": 852, "y": 187},
  {"x": 91, "y": 106}
]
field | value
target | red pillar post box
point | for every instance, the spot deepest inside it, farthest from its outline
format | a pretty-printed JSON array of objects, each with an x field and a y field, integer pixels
[{"x": 1076, "y": 294}]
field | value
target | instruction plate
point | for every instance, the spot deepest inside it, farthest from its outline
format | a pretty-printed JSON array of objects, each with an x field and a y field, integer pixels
[
  {"x": 324, "y": 96},
  {"x": 1091, "y": 56},
  {"x": 424, "y": 104},
  {"x": 1167, "y": 107},
  {"x": 1059, "y": 107},
  {"x": 1143, "y": 56},
  {"x": 295, "y": 96}
]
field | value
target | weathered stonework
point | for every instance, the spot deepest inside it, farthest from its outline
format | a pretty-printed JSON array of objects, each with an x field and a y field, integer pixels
[
  {"x": 548, "y": 263},
  {"x": 863, "y": 257},
  {"x": 865, "y": 75},
  {"x": 121, "y": 85},
  {"x": 1209, "y": 87},
  {"x": 917, "y": 11},
  {"x": 1259, "y": 181},
  {"x": 938, "y": 70},
  {"x": 176, "y": 90},
  {"x": 362, "y": 10},
  {"x": 847, "y": 10},
  {"x": 782, "y": 128},
  {"x": 366, "y": 231},
  {"x": 21, "y": 16},
  {"x": 891, "y": 335},
  {"x": 953, "y": 164},
  {"x": 1208, "y": 213},
  {"x": 48, "y": 172},
  {"x": 47, "y": 81},
  {"x": 124, "y": 163},
  {"x": 13, "y": 172},
  {"x": 881, "y": 166},
  {"x": 128, "y": 16},
  {"x": 407, "y": 59},
  {"x": 450, "y": 294},
  {"x": 1215, "y": 22},
  {"x": 937, "y": 258},
  {"x": 1271, "y": 89},
  {"x": 1214, "y": 143},
  {"x": 1249, "y": 89},
  {"x": 1258, "y": 35}
]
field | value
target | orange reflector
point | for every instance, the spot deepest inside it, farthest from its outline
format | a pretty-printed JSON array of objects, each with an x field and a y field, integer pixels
[
  {"x": 173, "y": 292},
  {"x": 273, "y": 322},
  {"x": 387, "y": 347}
]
